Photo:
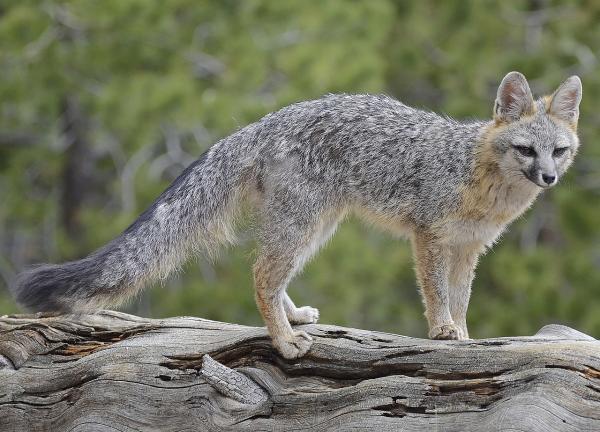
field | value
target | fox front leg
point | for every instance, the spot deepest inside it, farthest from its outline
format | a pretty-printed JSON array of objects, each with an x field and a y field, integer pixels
[
  {"x": 463, "y": 260},
  {"x": 432, "y": 266}
]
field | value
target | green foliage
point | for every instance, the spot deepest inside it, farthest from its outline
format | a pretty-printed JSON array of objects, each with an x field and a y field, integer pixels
[{"x": 158, "y": 82}]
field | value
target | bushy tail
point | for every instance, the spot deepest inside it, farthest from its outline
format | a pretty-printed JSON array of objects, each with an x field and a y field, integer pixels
[{"x": 195, "y": 212}]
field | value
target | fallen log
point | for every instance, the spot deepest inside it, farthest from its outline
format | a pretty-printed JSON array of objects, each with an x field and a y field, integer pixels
[{"x": 117, "y": 372}]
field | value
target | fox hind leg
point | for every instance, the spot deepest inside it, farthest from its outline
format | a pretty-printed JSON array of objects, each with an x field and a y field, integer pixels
[
  {"x": 299, "y": 315},
  {"x": 271, "y": 274},
  {"x": 320, "y": 235},
  {"x": 283, "y": 252}
]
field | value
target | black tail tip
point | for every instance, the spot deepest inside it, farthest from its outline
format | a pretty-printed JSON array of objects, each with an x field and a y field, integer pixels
[{"x": 40, "y": 289}]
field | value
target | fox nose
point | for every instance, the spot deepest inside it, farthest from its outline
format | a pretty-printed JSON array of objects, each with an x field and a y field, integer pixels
[{"x": 549, "y": 179}]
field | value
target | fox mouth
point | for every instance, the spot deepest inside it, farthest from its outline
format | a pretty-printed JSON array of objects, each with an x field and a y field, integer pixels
[{"x": 536, "y": 182}]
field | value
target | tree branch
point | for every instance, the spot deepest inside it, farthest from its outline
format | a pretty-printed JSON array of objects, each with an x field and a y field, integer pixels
[{"x": 113, "y": 371}]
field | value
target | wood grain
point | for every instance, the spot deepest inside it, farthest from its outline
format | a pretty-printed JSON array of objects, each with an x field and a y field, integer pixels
[{"x": 116, "y": 372}]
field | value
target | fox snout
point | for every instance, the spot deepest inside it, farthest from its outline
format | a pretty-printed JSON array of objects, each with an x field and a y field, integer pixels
[
  {"x": 544, "y": 179},
  {"x": 549, "y": 179},
  {"x": 546, "y": 171}
]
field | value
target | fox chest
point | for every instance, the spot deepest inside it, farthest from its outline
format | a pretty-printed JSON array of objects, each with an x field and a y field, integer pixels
[
  {"x": 458, "y": 232},
  {"x": 483, "y": 219}
]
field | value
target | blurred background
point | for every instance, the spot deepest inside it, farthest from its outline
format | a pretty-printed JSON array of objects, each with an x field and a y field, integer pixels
[{"x": 104, "y": 103}]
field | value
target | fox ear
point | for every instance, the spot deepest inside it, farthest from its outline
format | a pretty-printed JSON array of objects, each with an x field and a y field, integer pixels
[
  {"x": 564, "y": 103},
  {"x": 514, "y": 98}
]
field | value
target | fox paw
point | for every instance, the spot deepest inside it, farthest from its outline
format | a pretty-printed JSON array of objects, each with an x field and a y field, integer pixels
[
  {"x": 446, "y": 332},
  {"x": 304, "y": 315},
  {"x": 294, "y": 346}
]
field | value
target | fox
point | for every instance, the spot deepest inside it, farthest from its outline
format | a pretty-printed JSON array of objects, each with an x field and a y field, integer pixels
[{"x": 450, "y": 187}]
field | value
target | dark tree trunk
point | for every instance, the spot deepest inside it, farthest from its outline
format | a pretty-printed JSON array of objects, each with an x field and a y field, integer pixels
[{"x": 76, "y": 167}]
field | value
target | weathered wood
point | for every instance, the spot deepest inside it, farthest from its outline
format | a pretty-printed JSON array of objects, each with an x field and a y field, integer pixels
[{"x": 117, "y": 372}]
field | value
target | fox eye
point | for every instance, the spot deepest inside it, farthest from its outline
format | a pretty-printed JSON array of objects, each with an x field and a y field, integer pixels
[
  {"x": 558, "y": 152},
  {"x": 525, "y": 151}
]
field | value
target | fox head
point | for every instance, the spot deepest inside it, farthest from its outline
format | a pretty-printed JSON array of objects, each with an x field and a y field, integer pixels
[{"x": 535, "y": 140}]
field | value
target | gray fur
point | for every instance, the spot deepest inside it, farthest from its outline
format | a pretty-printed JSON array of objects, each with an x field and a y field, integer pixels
[
  {"x": 195, "y": 212},
  {"x": 308, "y": 165}
]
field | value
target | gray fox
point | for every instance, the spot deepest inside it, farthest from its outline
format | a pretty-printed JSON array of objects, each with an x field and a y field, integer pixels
[{"x": 450, "y": 187}]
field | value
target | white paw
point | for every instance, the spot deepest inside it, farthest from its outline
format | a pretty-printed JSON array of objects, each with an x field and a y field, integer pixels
[
  {"x": 446, "y": 332},
  {"x": 464, "y": 334},
  {"x": 294, "y": 346},
  {"x": 304, "y": 315}
]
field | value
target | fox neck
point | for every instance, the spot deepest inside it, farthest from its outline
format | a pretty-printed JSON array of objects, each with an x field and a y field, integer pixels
[{"x": 491, "y": 194}]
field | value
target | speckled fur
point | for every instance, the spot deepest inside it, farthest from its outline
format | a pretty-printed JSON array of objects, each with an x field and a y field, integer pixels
[{"x": 451, "y": 187}]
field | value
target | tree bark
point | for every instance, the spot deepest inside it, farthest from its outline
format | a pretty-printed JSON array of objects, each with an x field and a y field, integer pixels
[{"x": 117, "y": 372}]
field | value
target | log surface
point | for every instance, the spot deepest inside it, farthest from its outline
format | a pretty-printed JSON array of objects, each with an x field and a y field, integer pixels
[{"x": 116, "y": 372}]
